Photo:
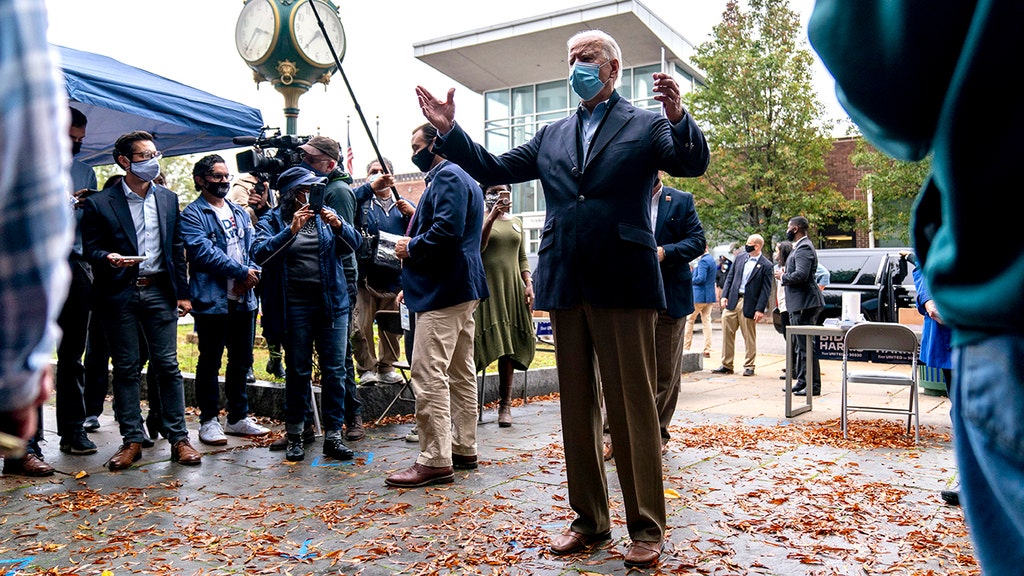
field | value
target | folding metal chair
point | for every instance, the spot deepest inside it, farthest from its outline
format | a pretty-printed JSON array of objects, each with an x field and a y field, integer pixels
[
  {"x": 879, "y": 340},
  {"x": 390, "y": 321}
]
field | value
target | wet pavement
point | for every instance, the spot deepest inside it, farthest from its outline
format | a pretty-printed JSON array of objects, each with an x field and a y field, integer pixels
[{"x": 748, "y": 492}]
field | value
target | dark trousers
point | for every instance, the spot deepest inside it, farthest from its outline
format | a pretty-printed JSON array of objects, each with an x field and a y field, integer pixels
[
  {"x": 309, "y": 327},
  {"x": 74, "y": 324},
  {"x": 668, "y": 346},
  {"x": 353, "y": 405},
  {"x": 805, "y": 317},
  {"x": 156, "y": 312},
  {"x": 216, "y": 332}
]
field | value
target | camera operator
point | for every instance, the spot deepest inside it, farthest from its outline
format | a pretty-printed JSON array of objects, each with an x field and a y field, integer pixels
[{"x": 321, "y": 155}]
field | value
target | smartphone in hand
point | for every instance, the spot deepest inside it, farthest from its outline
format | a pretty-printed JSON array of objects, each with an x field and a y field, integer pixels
[
  {"x": 316, "y": 197},
  {"x": 505, "y": 200}
]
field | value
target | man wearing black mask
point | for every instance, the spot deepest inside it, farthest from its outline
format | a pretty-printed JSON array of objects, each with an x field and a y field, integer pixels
[
  {"x": 218, "y": 235},
  {"x": 744, "y": 302},
  {"x": 803, "y": 300}
]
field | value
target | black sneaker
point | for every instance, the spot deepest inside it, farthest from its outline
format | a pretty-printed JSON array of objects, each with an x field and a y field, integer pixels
[
  {"x": 951, "y": 497},
  {"x": 335, "y": 447},
  {"x": 294, "y": 451},
  {"x": 77, "y": 443}
]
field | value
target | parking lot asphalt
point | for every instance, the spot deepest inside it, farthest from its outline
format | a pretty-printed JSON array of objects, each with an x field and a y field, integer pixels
[{"x": 748, "y": 491}]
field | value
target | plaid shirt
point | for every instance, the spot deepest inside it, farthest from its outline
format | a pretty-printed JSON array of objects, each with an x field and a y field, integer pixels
[{"x": 35, "y": 209}]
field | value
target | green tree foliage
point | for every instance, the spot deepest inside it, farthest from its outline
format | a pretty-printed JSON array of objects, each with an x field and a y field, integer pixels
[
  {"x": 893, "y": 185},
  {"x": 765, "y": 127},
  {"x": 177, "y": 170}
]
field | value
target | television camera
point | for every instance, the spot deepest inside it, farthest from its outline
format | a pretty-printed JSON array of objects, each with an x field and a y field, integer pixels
[{"x": 263, "y": 164}]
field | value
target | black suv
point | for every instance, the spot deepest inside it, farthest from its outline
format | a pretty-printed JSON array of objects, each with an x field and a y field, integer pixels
[{"x": 883, "y": 277}]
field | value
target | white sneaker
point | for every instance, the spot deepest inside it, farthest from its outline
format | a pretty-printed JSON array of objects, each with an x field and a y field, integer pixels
[
  {"x": 368, "y": 378},
  {"x": 246, "y": 427},
  {"x": 413, "y": 436},
  {"x": 392, "y": 377},
  {"x": 211, "y": 433}
]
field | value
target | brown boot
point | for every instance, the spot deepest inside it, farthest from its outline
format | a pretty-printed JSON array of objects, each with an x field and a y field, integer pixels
[
  {"x": 504, "y": 415},
  {"x": 505, "y": 371}
]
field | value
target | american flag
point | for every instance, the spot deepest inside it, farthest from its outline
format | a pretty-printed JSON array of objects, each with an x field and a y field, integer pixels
[{"x": 349, "y": 157}]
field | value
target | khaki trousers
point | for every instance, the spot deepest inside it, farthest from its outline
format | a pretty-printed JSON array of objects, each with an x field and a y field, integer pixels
[
  {"x": 444, "y": 381},
  {"x": 621, "y": 343},
  {"x": 704, "y": 310},
  {"x": 368, "y": 302},
  {"x": 731, "y": 320}
]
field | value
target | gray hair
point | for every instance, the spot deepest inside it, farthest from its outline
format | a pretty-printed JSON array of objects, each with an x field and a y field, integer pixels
[{"x": 609, "y": 47}]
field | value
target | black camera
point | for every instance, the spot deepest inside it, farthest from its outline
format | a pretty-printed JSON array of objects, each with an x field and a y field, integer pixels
[{"x": 265, "y": 165}]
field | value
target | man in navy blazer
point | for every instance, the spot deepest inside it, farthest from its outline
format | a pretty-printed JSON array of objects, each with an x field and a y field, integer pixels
[
  {"x": 442, "y": 282},
  {"x": 135, "y": 220},
  {"x": 680, "y": 238},
  {"x": 744, "y": 302},
  {"x": 598, "y": 274}
]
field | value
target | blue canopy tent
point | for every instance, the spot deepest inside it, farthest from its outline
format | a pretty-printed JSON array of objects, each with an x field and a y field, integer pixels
[{"x": 118, "y": 98}]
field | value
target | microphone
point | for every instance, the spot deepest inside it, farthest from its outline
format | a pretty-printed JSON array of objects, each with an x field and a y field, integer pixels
[{"x": 245, "y": 140}]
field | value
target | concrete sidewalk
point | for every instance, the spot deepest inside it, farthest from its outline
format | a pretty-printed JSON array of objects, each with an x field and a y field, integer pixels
[{"x": 747, "y": 490}]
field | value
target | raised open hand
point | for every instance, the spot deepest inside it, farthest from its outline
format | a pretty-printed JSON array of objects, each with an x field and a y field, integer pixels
[{"x": 440, "y": 113}]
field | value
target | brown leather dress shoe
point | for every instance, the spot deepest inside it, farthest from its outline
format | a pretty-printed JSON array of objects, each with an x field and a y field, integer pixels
[
  {"x": 125, "y": 456},
  {"x": 419, "y": 475},
  {"x": 460, "y": 462},
  {"x": 28, "y": 465},
  {"x": 570, "y": 542},
  {"x": 642, "y": 554},
  {"x": 183, "y": 453}
]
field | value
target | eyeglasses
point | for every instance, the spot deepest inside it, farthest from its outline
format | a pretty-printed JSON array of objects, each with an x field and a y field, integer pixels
[
  {"x": 148, "y": 155},
  {"x": 219, "y": 177}
]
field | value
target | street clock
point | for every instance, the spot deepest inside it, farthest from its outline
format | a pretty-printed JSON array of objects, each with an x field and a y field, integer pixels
[
  {"x": 256, "y": 31},
  {"x": 281, "y": 41},
  {"x": 309, "y": 39}
]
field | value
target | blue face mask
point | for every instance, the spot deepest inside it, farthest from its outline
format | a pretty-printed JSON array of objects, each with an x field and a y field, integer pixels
[
  {"x": 146, "y": 170},
  {"x": 585, "y": 79}
]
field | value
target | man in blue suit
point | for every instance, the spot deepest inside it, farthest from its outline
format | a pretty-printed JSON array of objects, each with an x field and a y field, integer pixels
[
  {"x": 598, "y": 274},
  {"x": 744, "y": 302},
  {"x": 442, "y": 282},
  {"x": 680, "y": 238}
]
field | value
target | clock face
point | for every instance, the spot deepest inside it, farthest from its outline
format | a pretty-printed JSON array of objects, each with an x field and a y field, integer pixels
[
  {"x": 256, "y": 30},
  {"x": 309, "y": 39}
]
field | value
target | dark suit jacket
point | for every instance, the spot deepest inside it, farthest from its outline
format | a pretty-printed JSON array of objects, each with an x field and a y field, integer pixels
[
  {"x": 444, "y": 266},
  {"x": 758, "y": 289},
  {"x": 597, "y": 244},
  {"x": 107, "y": 227},
  {"x": 802, "y": 290},
  {"x": 679, "y": 232}
]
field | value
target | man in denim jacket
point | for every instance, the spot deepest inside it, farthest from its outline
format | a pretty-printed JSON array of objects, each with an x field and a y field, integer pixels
[{"x": 218, "y": 235}]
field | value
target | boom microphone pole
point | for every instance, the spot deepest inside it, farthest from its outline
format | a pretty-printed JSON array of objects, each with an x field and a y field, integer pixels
[{"x": 359, "y": 110}]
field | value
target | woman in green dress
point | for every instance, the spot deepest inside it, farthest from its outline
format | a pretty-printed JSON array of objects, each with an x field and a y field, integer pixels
[{"x": 504, "y": 323}]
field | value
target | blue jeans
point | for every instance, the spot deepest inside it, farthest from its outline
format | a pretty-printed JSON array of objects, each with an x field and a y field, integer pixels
[
  {"x": 353, "y": 406},
  {"x": 309, "y": 326},
  {"x": 215, "y": 332},
  {"x": 988, "y": 433},
  {"x": 157, "y": 315}
]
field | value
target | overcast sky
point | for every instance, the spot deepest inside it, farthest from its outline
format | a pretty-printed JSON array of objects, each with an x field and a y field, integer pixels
[{"x": 192, "y": 41}]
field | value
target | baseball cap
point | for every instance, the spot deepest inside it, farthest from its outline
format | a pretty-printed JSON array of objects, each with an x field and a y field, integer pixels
[
  {"x": 322, "y": 145},
  {"x": 297, "y": 176}
]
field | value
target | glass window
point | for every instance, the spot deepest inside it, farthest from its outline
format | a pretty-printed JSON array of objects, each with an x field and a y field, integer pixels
[
  {"x": 626, "y": 89},
  {"x": 553, "y": 97},
  {"x": 643, "y": 87},
  {"x": 522, "y": 101},
  {"x": 496, "y": 105}
]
